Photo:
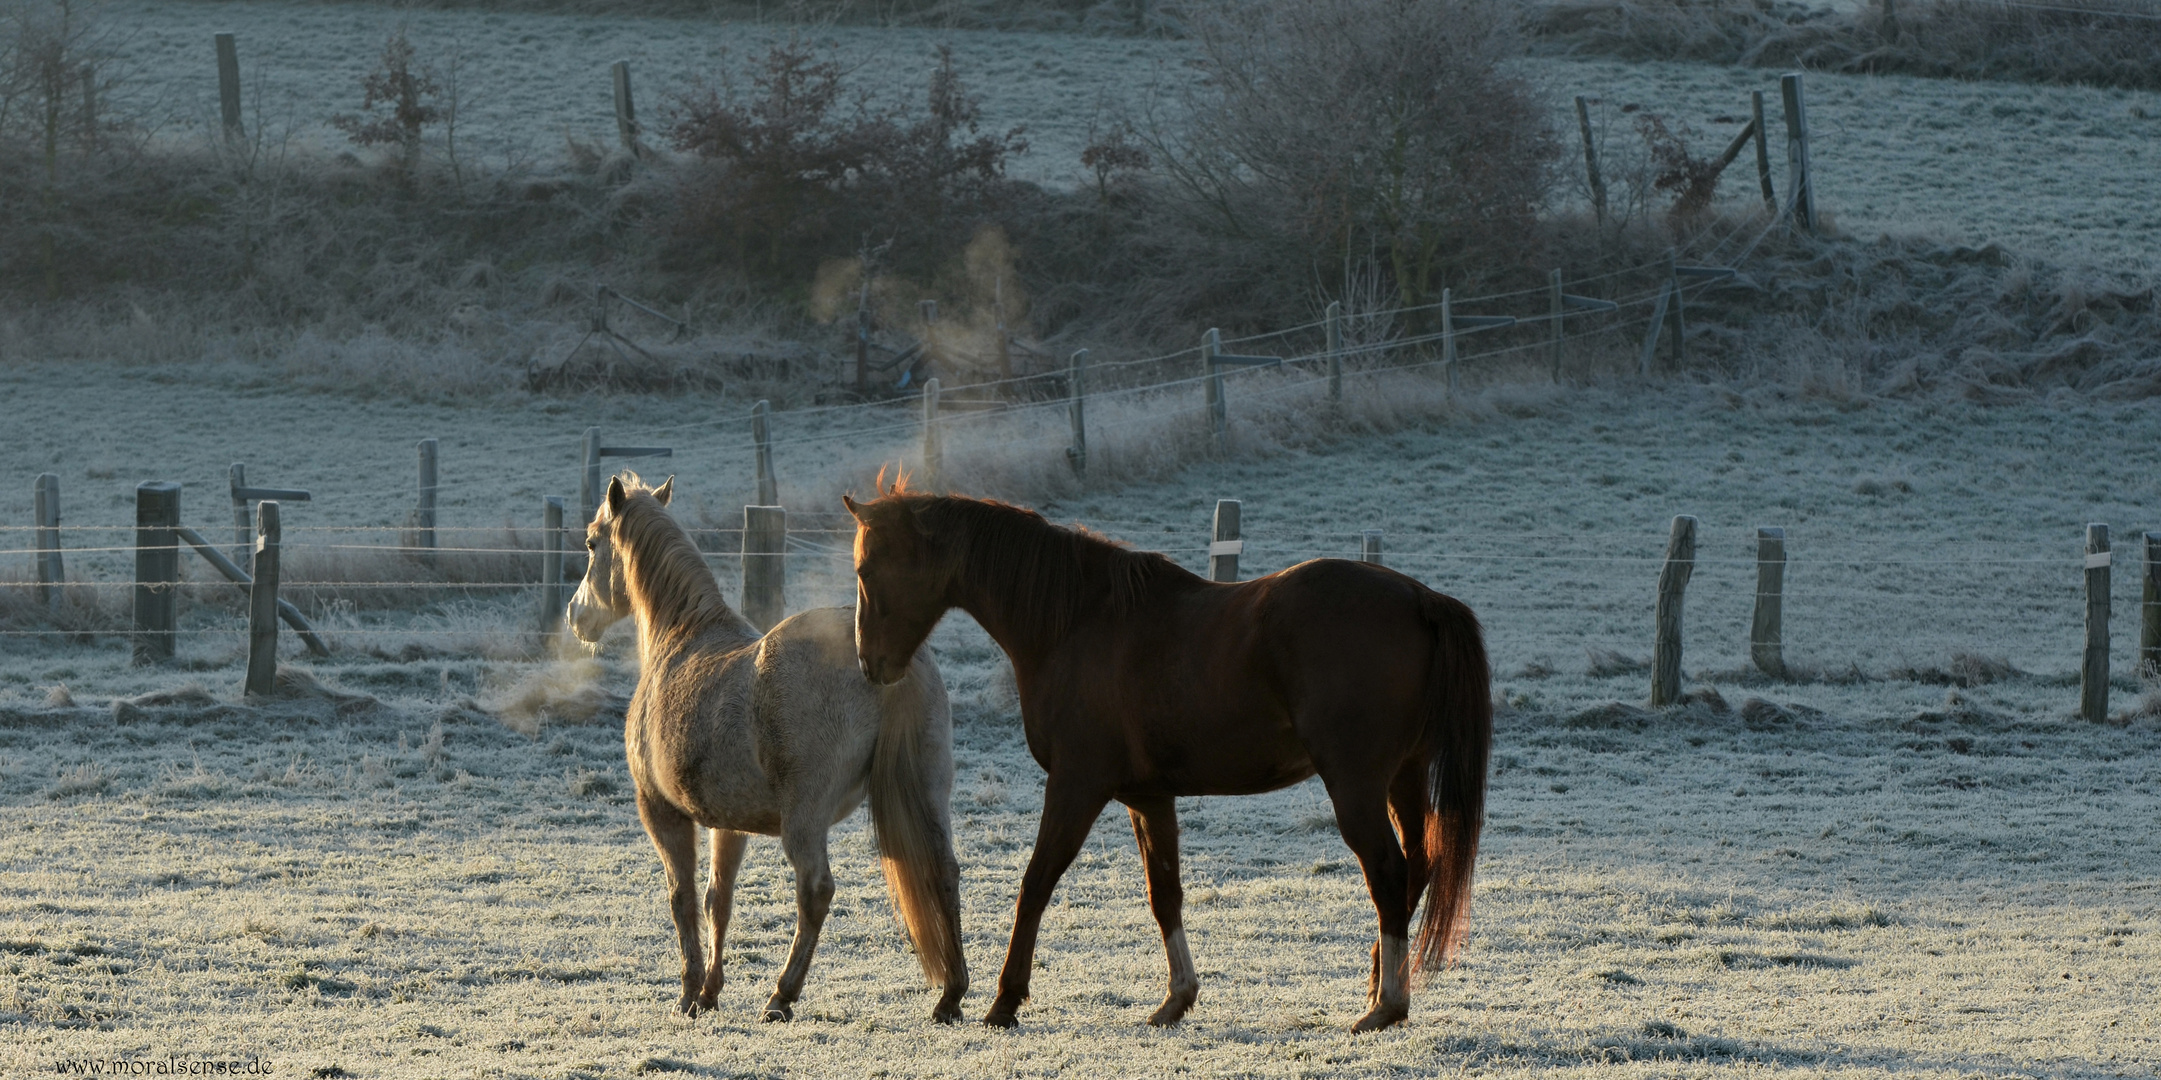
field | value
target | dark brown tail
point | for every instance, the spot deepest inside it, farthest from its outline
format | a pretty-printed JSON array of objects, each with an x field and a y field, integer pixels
[
  {"x": 915, "y": 841},
  {"x": 1458, "y": 737}
]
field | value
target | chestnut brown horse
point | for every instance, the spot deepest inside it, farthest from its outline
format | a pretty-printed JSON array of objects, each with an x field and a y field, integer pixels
[{"x": 1141, "y": 682}]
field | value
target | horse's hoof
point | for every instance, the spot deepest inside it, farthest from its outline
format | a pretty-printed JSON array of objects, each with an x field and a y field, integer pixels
[
  {"x": 708, "y": 1002},
  {"x": 947, "y": 1010},
  {"x": 690, "y": 1007},
  {"x": 1001, "y": 1018},
  {"x": 1382, "y": 1016},
  {"x": 1171, "y": 1011},
  {"x": 778, "y": 1012}
]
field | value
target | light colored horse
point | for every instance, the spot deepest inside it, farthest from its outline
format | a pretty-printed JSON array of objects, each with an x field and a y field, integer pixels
[{"x": 780, "y": 735}]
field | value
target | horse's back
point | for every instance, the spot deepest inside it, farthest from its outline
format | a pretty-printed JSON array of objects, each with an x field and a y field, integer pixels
[
  {"x": 818, "y": 716},
  {"x": 1229, "y": 689}
]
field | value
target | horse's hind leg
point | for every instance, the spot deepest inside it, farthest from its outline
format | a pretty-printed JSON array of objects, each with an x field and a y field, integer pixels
[
  {"x": 1362, "y": 814},
  {"x": 676, "y": 837},
  {"x": 1407, "y": 805},
  {"x": 805, "y": 848},
  {"x": 1155, "y": 828},
  {"x": 719, "y": 901}
]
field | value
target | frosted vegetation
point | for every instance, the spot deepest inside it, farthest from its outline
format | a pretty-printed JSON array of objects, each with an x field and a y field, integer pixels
[
  {"x": 424, "y": 859},
  {"x": 2051, "y": 171},
  {"x": 420, "y": 858}
]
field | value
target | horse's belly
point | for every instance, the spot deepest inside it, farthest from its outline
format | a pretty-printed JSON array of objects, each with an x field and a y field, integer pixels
[{"x": 1223, "y": 758}]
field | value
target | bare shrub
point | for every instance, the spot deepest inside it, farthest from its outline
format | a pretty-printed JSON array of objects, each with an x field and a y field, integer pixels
[
  {"x": 798, "y": 166},
  {"x": 411, "y": 99},
  {"x": 52, "y": 59},
  {"x": 1390, "y": 128},
  {"x": 1692, "y": 180}
]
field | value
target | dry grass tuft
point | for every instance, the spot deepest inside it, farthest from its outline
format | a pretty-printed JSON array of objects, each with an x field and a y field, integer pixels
[{"x": 1965, "y": 669}]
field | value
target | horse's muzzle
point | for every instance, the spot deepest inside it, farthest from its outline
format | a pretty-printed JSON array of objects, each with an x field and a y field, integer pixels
[{"x": 880, "y": 672}]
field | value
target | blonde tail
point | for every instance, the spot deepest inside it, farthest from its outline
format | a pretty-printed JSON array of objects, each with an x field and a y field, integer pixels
[{"x": 909, "y": 790}]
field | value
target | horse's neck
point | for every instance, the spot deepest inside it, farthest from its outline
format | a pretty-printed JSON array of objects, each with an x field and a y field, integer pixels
[
  {"x": 1024, "y": 642},
  {"x": 675, "y": 595},
  {"x": 1013, "y": 611}
]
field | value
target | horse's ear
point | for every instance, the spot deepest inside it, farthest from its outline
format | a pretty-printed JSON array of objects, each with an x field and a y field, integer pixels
[
  {"x": 616, "y": 495},
  {"x": 855, "y": 510},
  {"x": 665, "y": 491}
]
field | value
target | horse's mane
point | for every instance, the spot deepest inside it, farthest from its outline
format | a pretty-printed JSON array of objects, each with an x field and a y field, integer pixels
[
  {"x": 1057, "y": 574},
  {"x": 668, "y": 577}
]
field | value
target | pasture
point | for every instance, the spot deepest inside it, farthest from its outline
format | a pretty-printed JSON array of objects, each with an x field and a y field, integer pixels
[
  {"x": 2060, "y": 173},
  {"x": 421, "y": 858},
  {"x": 1868, "y": 872}
]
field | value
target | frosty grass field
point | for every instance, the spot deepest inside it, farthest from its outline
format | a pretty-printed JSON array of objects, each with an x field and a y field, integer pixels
[
  {"x": 1868, "y": 875},
  {"x": 2060, "y": 172},
  {"x": 424, "y": 861}
]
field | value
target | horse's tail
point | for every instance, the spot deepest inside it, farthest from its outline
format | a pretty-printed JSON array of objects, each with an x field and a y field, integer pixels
[
  {"x": 1457, "y": 739},
  {"x": 909, "y": 790}
]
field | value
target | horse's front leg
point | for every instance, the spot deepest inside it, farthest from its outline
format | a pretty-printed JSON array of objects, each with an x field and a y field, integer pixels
[
  {"x": 676, "y": 838},
  {"x": 1068, "y": 814},
  {"x": 803, "y": 840},
  {"x": 719, "y": 902},
  {"x": 1155, "y": 827}
]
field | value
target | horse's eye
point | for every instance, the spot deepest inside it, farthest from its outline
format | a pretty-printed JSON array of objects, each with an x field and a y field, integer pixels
[{"x": 589, "y": 545}]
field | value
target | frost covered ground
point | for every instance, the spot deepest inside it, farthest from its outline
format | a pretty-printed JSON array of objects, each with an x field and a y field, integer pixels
[
  {"x": 1864, "y": 874},
  {"x": 2056, "y": 172}
]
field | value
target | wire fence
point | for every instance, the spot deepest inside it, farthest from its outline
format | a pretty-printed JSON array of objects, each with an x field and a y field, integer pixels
[
  {"x": 1550, "y": 600},
  {"x": 1545, "y": 596}
]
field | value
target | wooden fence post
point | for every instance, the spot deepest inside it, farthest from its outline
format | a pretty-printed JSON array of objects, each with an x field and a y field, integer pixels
[
  {"x": 765, "y": 565},
  {"x": 243, "y": 525},
  {"x": 2093, "y": 674},
  {"x": 933, "y": 348},
  {"x": 551, "y": 565},
  {"x": 263, "y": 602},
  {"x": 761, "y": 437},
  {"x": 51, "y": 574},
  {"x": 589, "y": 486},
  {"x": 1224, "y": 549},
  {"x": 1004, "y": 343},
  {"x": 1658, "y": 322},
  {"x": 1766, "y": 635},
  {"x": 862, "y": 338},
  {"x": 1448, "y": 338},
  {"x": 1675, "y": 323},
  {"x": 1672, "y": 583},
  {"x": 933, "y": 444},
  {"x": 1558, "y": 306},
  {"x": 1590, "y": 158},
  {"x": 1076, "y": 411},
  {"x": 1763, "y": 150},
  {"x": 1370, "y": 549},
  {"x": 229, "y": 86},
  {"x": 626, "y": 114},
  {"x": 157, "y": 569},
  {"x": 1335, "y": 350},
  {"x": 1211, "y": 345},
  {"x": 424, "y": 510},
  {"x": 1799, "y": 187},
  {"x": 2149, "y": 631}
]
